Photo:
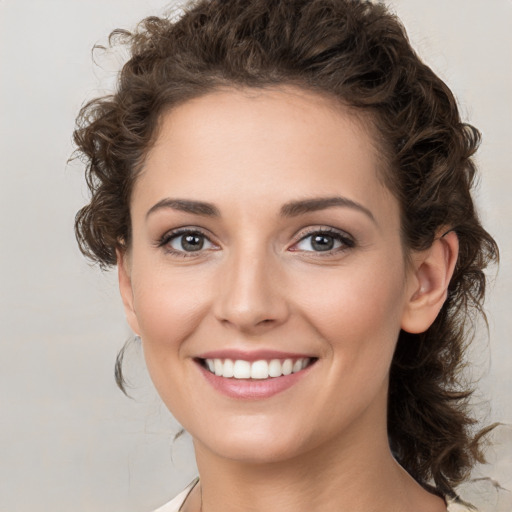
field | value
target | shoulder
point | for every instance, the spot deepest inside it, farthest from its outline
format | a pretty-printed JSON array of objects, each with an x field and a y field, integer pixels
[{"x": 175, "y": 504}]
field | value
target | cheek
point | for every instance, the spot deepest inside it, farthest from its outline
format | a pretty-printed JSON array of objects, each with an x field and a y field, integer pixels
[
  {"x": 169, "y": 306},
  {"x": 359, "y": 318},
  {"x": 358, "y": 310},
  {"x": 169, "y": 309}
]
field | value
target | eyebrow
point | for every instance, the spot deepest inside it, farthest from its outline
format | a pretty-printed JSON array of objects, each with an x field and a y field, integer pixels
[
  {"x": 295, "y": 208},
  {"x": 185, "y": 205},
  {"x": 290, "y": 209}
]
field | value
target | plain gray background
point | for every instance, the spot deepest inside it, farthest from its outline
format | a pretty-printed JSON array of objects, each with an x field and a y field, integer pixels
[{"x": 69, "y": 440}]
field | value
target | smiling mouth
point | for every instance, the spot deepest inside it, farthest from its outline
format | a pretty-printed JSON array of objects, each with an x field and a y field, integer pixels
[{"x": 257, "y": 370}]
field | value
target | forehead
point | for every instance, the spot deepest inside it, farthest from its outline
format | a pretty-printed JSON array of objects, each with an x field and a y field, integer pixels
[{"x": 263, "y": 145}]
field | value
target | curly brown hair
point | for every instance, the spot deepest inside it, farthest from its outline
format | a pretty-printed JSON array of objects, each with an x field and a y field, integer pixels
[{"x": 358, "y": 53}]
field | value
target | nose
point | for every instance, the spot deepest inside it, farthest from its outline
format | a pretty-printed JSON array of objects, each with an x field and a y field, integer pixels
[{"x": 251, "y": 295}]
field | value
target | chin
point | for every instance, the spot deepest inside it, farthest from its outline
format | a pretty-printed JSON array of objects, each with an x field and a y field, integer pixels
[{"x": 254, "y": 445}]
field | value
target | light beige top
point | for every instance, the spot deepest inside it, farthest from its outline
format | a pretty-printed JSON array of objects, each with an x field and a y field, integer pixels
[{"x": 175, "y": 504}]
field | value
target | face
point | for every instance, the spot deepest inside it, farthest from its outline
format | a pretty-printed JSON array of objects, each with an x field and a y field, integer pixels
[{"x": 266, "y": 275}]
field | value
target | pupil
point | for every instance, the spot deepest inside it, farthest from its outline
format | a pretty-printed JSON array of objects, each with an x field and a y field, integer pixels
[
  {"x": 192, "y": 242},
  {"x": 322, "y": 242}
]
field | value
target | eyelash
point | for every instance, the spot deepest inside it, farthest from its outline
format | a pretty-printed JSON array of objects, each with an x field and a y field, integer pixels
[
  {"x": 346, "y": 241},
  {"x": 165, "y": 241}
]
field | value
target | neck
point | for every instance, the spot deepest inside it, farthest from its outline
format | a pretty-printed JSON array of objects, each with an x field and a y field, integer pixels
[
  {"x": 355, "y": 475},
  {"x": 352, "y": 471}
]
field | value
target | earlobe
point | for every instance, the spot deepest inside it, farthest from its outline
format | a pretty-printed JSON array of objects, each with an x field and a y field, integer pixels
[
  {"x": 433, "y": 270},
  {"x": 125, "y": 287}
]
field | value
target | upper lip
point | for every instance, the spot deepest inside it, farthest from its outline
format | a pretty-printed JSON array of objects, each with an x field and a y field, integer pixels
[{"x": 251, "y": 355}]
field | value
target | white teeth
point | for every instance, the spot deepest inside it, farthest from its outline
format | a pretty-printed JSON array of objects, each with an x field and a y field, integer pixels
[
  {"x": 242, "y": 369},
  {"x": 275, "y": 368},
  {"x": 287, "y": 367},
  {"x": 218, "y": 368},
  {"x": 228, "y": 369},
  {"x": 261, "y": 369}
]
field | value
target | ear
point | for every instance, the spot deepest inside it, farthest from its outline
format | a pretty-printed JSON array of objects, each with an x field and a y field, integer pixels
[
  {"x": 428, "y": 288},
  {"x": 125, "y": 287}
]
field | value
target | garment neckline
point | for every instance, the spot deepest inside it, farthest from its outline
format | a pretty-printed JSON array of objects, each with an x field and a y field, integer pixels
[
  {"x": 450, "y": 502},
  {"x": 190, "y": 487}
]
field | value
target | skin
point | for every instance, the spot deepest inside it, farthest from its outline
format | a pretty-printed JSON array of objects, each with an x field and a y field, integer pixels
[{"x": 259, "y": 283}]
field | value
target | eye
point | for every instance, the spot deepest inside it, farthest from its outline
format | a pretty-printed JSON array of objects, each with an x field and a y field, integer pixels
[
  {"x": 186, "y": 241},
  {"x": 324, "y": 241}
]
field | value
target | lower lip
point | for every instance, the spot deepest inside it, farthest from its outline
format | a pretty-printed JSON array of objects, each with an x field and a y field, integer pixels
[{"x": 253, "y": 389}]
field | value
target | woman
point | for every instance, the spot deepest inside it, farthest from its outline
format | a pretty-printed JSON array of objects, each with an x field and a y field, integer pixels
[{"x": 285, "y": 189}]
